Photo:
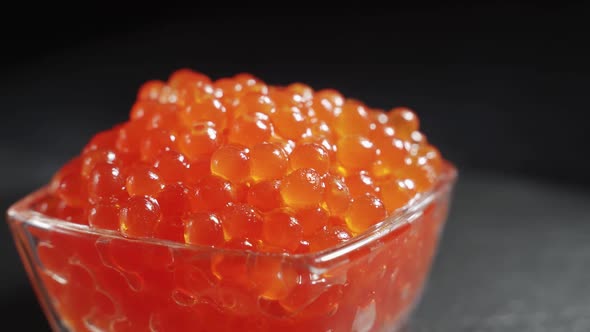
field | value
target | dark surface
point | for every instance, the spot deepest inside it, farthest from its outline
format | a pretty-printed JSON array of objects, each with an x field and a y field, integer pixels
[{"x": 514, "y": 257}]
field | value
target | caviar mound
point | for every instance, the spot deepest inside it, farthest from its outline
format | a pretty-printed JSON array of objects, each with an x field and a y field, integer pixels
[{"x": 249, "y": 156}]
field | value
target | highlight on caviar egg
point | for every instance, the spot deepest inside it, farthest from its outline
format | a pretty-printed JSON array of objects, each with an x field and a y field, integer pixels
[{"x": 219, "y": 205}]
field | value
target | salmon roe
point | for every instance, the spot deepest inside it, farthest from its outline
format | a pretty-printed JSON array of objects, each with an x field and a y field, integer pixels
[
  {"x": 253, "y": 160},
  {"x": 244, "y": 167}
]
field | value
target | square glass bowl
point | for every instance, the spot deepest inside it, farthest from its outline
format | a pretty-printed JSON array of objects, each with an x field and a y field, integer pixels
[{"x": 95, "y": 280}]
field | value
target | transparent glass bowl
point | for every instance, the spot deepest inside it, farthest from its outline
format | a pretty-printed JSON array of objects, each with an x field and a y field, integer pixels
[{"x": 93, "y": 280}]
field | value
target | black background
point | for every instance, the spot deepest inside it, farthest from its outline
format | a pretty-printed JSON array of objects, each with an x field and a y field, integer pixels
[{"x": 502, "y": 90}]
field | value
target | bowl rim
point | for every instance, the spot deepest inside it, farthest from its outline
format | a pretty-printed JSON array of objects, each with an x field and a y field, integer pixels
[{"x": 21, "y": 212}]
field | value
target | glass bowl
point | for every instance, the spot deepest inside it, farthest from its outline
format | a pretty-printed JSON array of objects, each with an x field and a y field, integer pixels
[{"x": 95, "y": 280}]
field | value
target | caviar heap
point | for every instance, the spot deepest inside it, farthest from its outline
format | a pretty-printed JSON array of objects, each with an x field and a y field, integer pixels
[
  {"x": 238, "y": 164},
  {"x": 215, "y": 163}
]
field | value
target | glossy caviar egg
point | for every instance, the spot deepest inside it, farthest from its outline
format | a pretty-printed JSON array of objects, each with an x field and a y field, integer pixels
[
  {"x": 330, "y": 236},
  {"x": 252, "y": 103},
  {"x": 172, "y": 166},
  {"x": 360, "y": 183},
  {"x": 241, "y": 221},
  {"x": 106, "y": 183},
  {"x": 428, "y": 155},
  {"x": 130, "y": 137},
  {"x": 250, "y": 129},
  {"x": 327, "y": 104},
  {"x": 392, "y": 156},
  {"x": 155, "y": 142},
  {"x": 231, "y": 162},
  {"x": 174, "y": 200},
  {"x": 143, "y": 179},
  {"x": 268, "y": 161},
  {"x": 337, "y": 195},
  {"x": 139, "y": 216},
  {"x": 186, "y": 78},
  {"x": 250, "y": 83},
  {"x": 212, "y": 193},
  {"x": 302, "y": 92},
  {"x": 302, "y": 188},
  {"x": 91, "y": 158},
  {"x": 396, "y": 193},
  {"x": 421, "y": 177},
  {"x": 203, "y": 228},
  {"x": 353, "y": 120},
  {"x": 150, "y": 90},
  {"x": 364, "y": 211},
  {"x": 404, "y": 120},
  {"x": 356, "y": 152},
  {"x": 282, "y": 230},
  {"x": 206, "y": 109},
  {"x": 310, "y": 156},
  {"x": 289, "y": 122},
  {"x": 265, "y": 195},
  {"x": 154, "y": 114},
  {"x": 103, "y": 140},
  {"x": 312, "y": 219},
  {"x": 70, "y": 187},
  {"x": 199, "y": 141},
  {"x": 104, "y": 216}
]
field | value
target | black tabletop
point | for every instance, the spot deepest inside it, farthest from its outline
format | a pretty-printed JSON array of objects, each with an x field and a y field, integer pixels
[{"x": 513, "y": 257}]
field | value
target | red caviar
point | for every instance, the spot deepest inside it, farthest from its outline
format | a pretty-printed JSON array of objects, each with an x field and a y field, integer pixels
[{"x": 241, "y": 165}]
